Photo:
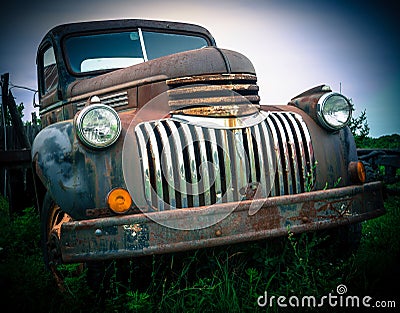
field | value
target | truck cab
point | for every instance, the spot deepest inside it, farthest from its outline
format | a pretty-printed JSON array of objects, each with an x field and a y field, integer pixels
[{"x": 154, "y": 140}]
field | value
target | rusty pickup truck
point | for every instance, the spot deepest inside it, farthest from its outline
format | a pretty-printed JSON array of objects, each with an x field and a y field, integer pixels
[{"x": 154, "y": 140}]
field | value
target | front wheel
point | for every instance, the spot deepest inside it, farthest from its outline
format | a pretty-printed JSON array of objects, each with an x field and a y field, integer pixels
[
  {"x": 344, "y": 240},
  {"x": 52, "y": 217}
]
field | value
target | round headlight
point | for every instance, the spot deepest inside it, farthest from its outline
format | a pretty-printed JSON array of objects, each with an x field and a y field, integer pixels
[
  {"x": 334, "y": 111},
  {"x": 98, "y": 126}
]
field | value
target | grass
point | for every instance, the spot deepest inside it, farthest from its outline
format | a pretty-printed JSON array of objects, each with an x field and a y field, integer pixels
[{"x": 223, "y": 279}]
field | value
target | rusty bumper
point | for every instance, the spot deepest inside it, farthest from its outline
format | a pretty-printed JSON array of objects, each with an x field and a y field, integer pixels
[{"x": 144, "y": 234}]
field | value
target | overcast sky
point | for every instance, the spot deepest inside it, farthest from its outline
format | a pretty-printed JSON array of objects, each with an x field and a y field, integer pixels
[{"x": 294, "y": 45}]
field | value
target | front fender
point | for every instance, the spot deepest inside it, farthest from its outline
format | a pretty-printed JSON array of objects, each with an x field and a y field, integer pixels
[{"x": 76, "y": 177}]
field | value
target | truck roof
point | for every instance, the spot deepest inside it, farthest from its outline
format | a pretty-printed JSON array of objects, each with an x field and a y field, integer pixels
[{"x": 61, "y": 30}]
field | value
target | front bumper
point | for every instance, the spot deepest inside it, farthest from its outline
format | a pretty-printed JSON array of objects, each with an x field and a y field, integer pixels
[{"x": 144, "y": 234}]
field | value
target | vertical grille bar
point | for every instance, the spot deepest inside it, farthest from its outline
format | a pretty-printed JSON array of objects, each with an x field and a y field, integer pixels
[
  {"x": 252, "y": 161},
  {"x": 270, "y": 159},
  {"x": 228, "y": 196},
  {"x": 216, "y": 164},
  {"x": 287, "y": 175},
  {"x": 155, "y": 156},
  {"x": 240, "y": 179},
  {"x": 301, "y": 153},
  {"x": 193, "y": 179},
  {"x": 202, "y": 166},
  {"x": 167, "y": 166},
  {"x": 180, "y": 171},
  {"x": 145, "y": 164},
  {"x": 260, "y": 155},
  {"x": 279, "y": 181},
  {"x": 292, "y": 157},
  {"x": 309, "y": 152}
]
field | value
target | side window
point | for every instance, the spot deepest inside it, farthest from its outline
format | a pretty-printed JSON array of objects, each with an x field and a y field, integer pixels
[{"x": 50, "y": 75}]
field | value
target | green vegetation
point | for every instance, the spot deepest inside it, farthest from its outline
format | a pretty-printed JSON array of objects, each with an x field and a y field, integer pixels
[
  {"x": 224, "y": 279},
  {"x": 383, "y": 142},
  {"x": 360, "y": 129}
]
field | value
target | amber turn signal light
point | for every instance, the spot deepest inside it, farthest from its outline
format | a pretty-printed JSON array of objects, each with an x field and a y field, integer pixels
[
  {"x": 357, "y": 172},
  {"x": 119, "y": 200}
]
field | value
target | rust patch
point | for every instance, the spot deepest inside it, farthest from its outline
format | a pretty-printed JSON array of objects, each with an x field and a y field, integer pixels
[
  {"x": 308, "y": 212},
  {"x": 136, "y": 236},
  {"x": 338, "y": 208},
  {"x": 273, "y": 219}
]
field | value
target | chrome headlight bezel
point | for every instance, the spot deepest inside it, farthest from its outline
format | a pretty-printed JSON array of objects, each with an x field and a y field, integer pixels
[
  {"x": 323, "y": 116},
  {"x": 111, "y": 117}
]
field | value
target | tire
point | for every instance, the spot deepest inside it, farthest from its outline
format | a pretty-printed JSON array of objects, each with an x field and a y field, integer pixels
[
  {"x": 349, "y": 237},
  {"x": 51, "y": 219},
  {"x": 344, "y": 240},
  {"x": 98, "y": 276},
  {"x": 370, "y": 173}
]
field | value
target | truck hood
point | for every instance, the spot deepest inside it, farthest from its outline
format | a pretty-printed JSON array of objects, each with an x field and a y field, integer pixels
[{"x": 205, "y": 61}]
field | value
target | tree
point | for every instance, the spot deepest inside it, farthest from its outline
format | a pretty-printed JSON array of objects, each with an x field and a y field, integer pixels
[
  {"x": 360, "y": 128},
  {"x": 359, "y": 125}
]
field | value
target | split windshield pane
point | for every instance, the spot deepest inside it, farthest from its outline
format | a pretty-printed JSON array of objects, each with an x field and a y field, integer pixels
[
  {"x": 103, "y": 51},
  {"x": 161, "y": 44}
]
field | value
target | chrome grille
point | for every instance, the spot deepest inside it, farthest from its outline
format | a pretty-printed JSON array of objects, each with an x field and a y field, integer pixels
[{"x": 186, "y": 165}]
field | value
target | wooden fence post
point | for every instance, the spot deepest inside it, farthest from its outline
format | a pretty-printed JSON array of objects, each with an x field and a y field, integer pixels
[
  {"x": 16, "y": 176},
  {"x": 17, "y": 122},
  {"x": 4, "y": 95}
]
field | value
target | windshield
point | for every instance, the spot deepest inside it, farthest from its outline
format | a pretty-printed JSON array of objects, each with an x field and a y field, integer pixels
[{"x": 109, "y": 51}]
